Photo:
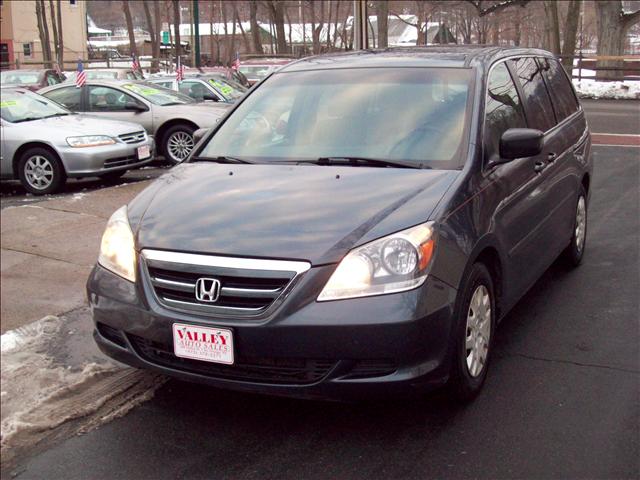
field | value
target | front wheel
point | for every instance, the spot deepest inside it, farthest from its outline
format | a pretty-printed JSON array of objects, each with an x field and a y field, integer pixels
[
  {"x": 178, "y": 143},
  {"x": 40, "y": 171},
  {"x": 473, "y": 339}
]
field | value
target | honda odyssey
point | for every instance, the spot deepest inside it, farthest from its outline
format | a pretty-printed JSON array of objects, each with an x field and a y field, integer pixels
[{"x": 357, "y": 224}]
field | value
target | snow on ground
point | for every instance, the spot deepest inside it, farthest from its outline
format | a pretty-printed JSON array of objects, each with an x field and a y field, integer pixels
[
  {"x": 627, "y": 90},
  {"x": 56, "y": 383}
]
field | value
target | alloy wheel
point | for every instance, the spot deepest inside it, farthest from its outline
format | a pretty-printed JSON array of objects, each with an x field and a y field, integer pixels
[
  {"x": 581, "y": 224},
  {"x": 179, "y": 145},
  {"x": 478, "y": 332},
  {"x": 38, "y": 172}
]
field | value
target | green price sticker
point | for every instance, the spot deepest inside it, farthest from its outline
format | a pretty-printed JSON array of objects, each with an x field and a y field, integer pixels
[{"x": 8, "y": 103}]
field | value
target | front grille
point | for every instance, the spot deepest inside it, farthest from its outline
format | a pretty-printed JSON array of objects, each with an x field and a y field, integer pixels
[
  {"x": 247, "y": 286},
  {"x": 133, "y": 137},
  {"x": 292, "y": 371},
  {"x": 121, "y": 161}
]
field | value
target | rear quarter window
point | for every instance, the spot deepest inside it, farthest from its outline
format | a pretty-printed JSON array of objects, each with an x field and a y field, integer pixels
[
  {"x": 564, "y": 99},
  {"x": 538, "y": 107}
]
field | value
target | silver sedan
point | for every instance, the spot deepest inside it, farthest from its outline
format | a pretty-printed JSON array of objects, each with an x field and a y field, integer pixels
[
  {"x": 170, "y": 116},
  {"x": 43, "y": 143}
]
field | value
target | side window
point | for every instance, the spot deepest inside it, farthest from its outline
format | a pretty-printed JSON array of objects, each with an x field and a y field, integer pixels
[
  {"x": 503, "y": 109},
  {"x": 106, "y": 99},
  {"x": 564, "y": 100},
  {"x": 68, "y": 96},
  {"x": 51, "y": 79},
  {"x": 538, "y": 105},
  {"x": 195, "y": 90}
]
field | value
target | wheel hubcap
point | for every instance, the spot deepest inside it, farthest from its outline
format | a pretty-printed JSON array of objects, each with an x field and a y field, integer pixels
[
  {"x": 478, "y": 331},
  {"x": 581, "y": 224},
  {"x": 39, "y": 172},
  {"x": 180, "y": 145}
]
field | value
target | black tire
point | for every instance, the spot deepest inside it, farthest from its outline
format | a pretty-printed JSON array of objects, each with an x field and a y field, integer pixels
[
  {"x": 176, "y": 130},
  {"x": 463, "y": 385},
  {"x": 113, "y": 176},
  {"x": 54, "y": 175},
  {"x": 572, "y": 255}
]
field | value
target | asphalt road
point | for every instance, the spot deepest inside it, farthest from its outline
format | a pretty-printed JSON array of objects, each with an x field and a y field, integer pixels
[
  {"x": 561, "y": 399},
  {"x": 613, "y": 116}
]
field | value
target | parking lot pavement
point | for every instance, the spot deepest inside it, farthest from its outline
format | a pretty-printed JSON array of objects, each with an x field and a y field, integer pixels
[
  {"x": 13, "y": 194},
  {"x": 613, "y": 116},
  {"x": 47, "y": 250},
  {"x": 561, "y": 399}
]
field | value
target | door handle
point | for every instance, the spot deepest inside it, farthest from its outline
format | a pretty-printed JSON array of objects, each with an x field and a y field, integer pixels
[
  {"x": 551, "y": 157},
  {"x": 539, "y": 166}
]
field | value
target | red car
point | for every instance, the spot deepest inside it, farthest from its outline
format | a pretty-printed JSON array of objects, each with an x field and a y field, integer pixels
[
  {"x": 255, "y": 69},
  {"x": 31, "y": 79}
]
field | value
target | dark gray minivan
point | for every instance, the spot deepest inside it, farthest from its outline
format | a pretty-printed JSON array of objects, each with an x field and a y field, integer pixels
[{"x": 357, "y": 224}]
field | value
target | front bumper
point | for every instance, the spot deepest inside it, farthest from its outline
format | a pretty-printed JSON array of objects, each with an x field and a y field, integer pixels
[
  {"x": 90, "y": 161},
  {"x": 349, "y": 349}
]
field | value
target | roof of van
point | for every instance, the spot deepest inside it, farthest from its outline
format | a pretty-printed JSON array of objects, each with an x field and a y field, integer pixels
[{"x": 459, "y": 56}]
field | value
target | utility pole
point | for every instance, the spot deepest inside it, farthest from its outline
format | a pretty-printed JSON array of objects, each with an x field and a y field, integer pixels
[{"x": 196, "y": 40}]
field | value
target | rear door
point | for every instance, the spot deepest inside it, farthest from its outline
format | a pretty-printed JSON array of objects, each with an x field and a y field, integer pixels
[{"x": 69, "y": 97}]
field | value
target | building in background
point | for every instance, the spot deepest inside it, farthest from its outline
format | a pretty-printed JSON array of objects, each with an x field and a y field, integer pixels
[{"x": 20, "y": 39}]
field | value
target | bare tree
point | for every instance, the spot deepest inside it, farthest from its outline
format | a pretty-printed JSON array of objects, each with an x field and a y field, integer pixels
[
  {"x": 316, "y": 27},
  {"x": 176, "y": 27},
  {"x": 276, "y": 12},
  {"x": 484, "y": 8},
  {"x": 613, "y": 25},
  {"x": 382, "y": 12},
  {"x": 154, "y": 33},
  {"x": 570, "y": 34},
  {"x": 43, "y": 31},
  {"x": 553, "y": 26},
  {"x": 245, "y": 38},
  {"x": 60, "y": 36},
  {"x": 255, "y": 30},
  {"x": 54, "y": 28},
  {"x": 132, "y": 37}
]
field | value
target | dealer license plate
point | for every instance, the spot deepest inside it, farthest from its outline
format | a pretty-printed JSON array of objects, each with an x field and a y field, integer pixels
[
  {"x": 144, "y": 152},
  {"x": 203, "y": 343}
]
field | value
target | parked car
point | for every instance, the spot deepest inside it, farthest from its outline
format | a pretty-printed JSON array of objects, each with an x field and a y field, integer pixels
[
  {"x": 204, "y": 87},
  {"x": 31, "y": 79},
  {"x": 43, "y": 144},
  {"x": 170, "y": 116},
  {"x": 255, "y": 69},
  {"x": 369, "y": 244},
  {"x": 108, "y": 74},
  {"x": 229, "y": 73}
]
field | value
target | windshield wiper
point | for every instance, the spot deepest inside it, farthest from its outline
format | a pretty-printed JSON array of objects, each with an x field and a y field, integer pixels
[
  {"x": 221, "y": 159},
  {"x": 62, "y": 114},
  {"x": 28, "y": 119},
  {"x": 355, "y": 161}
]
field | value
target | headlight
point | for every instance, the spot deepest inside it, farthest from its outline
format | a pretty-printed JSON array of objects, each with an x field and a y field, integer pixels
[
  {"x": 117, "y": 252},
  {"x": 390, "y": 264},
  {"x": 90, "y": 141}
]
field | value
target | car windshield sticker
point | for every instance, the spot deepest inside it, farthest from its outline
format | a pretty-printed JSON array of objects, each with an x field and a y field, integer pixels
[
  {"x": 144, "y": 91},
  {"x": 225, "y": 89},
  {"x": 8, "y": 103}
]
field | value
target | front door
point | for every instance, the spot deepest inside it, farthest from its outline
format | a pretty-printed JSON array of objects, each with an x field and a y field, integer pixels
[{"x": 114, "y": 104}]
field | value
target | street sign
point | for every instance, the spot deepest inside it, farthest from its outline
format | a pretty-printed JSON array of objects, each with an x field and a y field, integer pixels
[{"x": 165, "y": 36}]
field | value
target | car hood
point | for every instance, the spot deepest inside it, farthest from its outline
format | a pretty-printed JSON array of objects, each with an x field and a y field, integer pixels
[
  {"x": 313, "y": 213},
  {"x": 81, "y": 125}
]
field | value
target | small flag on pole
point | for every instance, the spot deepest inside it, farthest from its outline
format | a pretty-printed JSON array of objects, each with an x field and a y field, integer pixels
[
  {"x": 81, "y": 75},
  {"x": 236, "y": 63},
  {"x": 135, "y": 65},
  {"x": 179, "y": 71}
]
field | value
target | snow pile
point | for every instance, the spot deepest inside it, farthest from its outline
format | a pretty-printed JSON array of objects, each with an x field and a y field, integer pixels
[
  {"x": 627, "y": 90},
  {"x": 55, "y": 383}
]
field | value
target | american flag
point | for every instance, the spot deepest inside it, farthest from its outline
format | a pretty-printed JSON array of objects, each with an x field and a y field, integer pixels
[
  {"x": 135, "y": 65},
  {"x": 81, "y": 75},
  {"x": 236, "y": 63},
  {"x": 179, "y": 71}
]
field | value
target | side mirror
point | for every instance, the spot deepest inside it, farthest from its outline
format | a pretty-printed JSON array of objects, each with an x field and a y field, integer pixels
[
  {"x": 199, "y": 134},
  {"x": 520, "y": 143},
  {"x": 135, "y": 107}
]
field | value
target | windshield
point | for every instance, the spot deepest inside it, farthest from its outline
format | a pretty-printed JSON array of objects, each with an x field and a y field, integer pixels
[
  {"x": 19, "y": 78},
  {"x": 403, "y": 114},
  {"x": 157, "y": 95},
  {"x": 26, "y": 106},
  {"x": 228, "y": 88},
  {"x": 260, "y": 71}
]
